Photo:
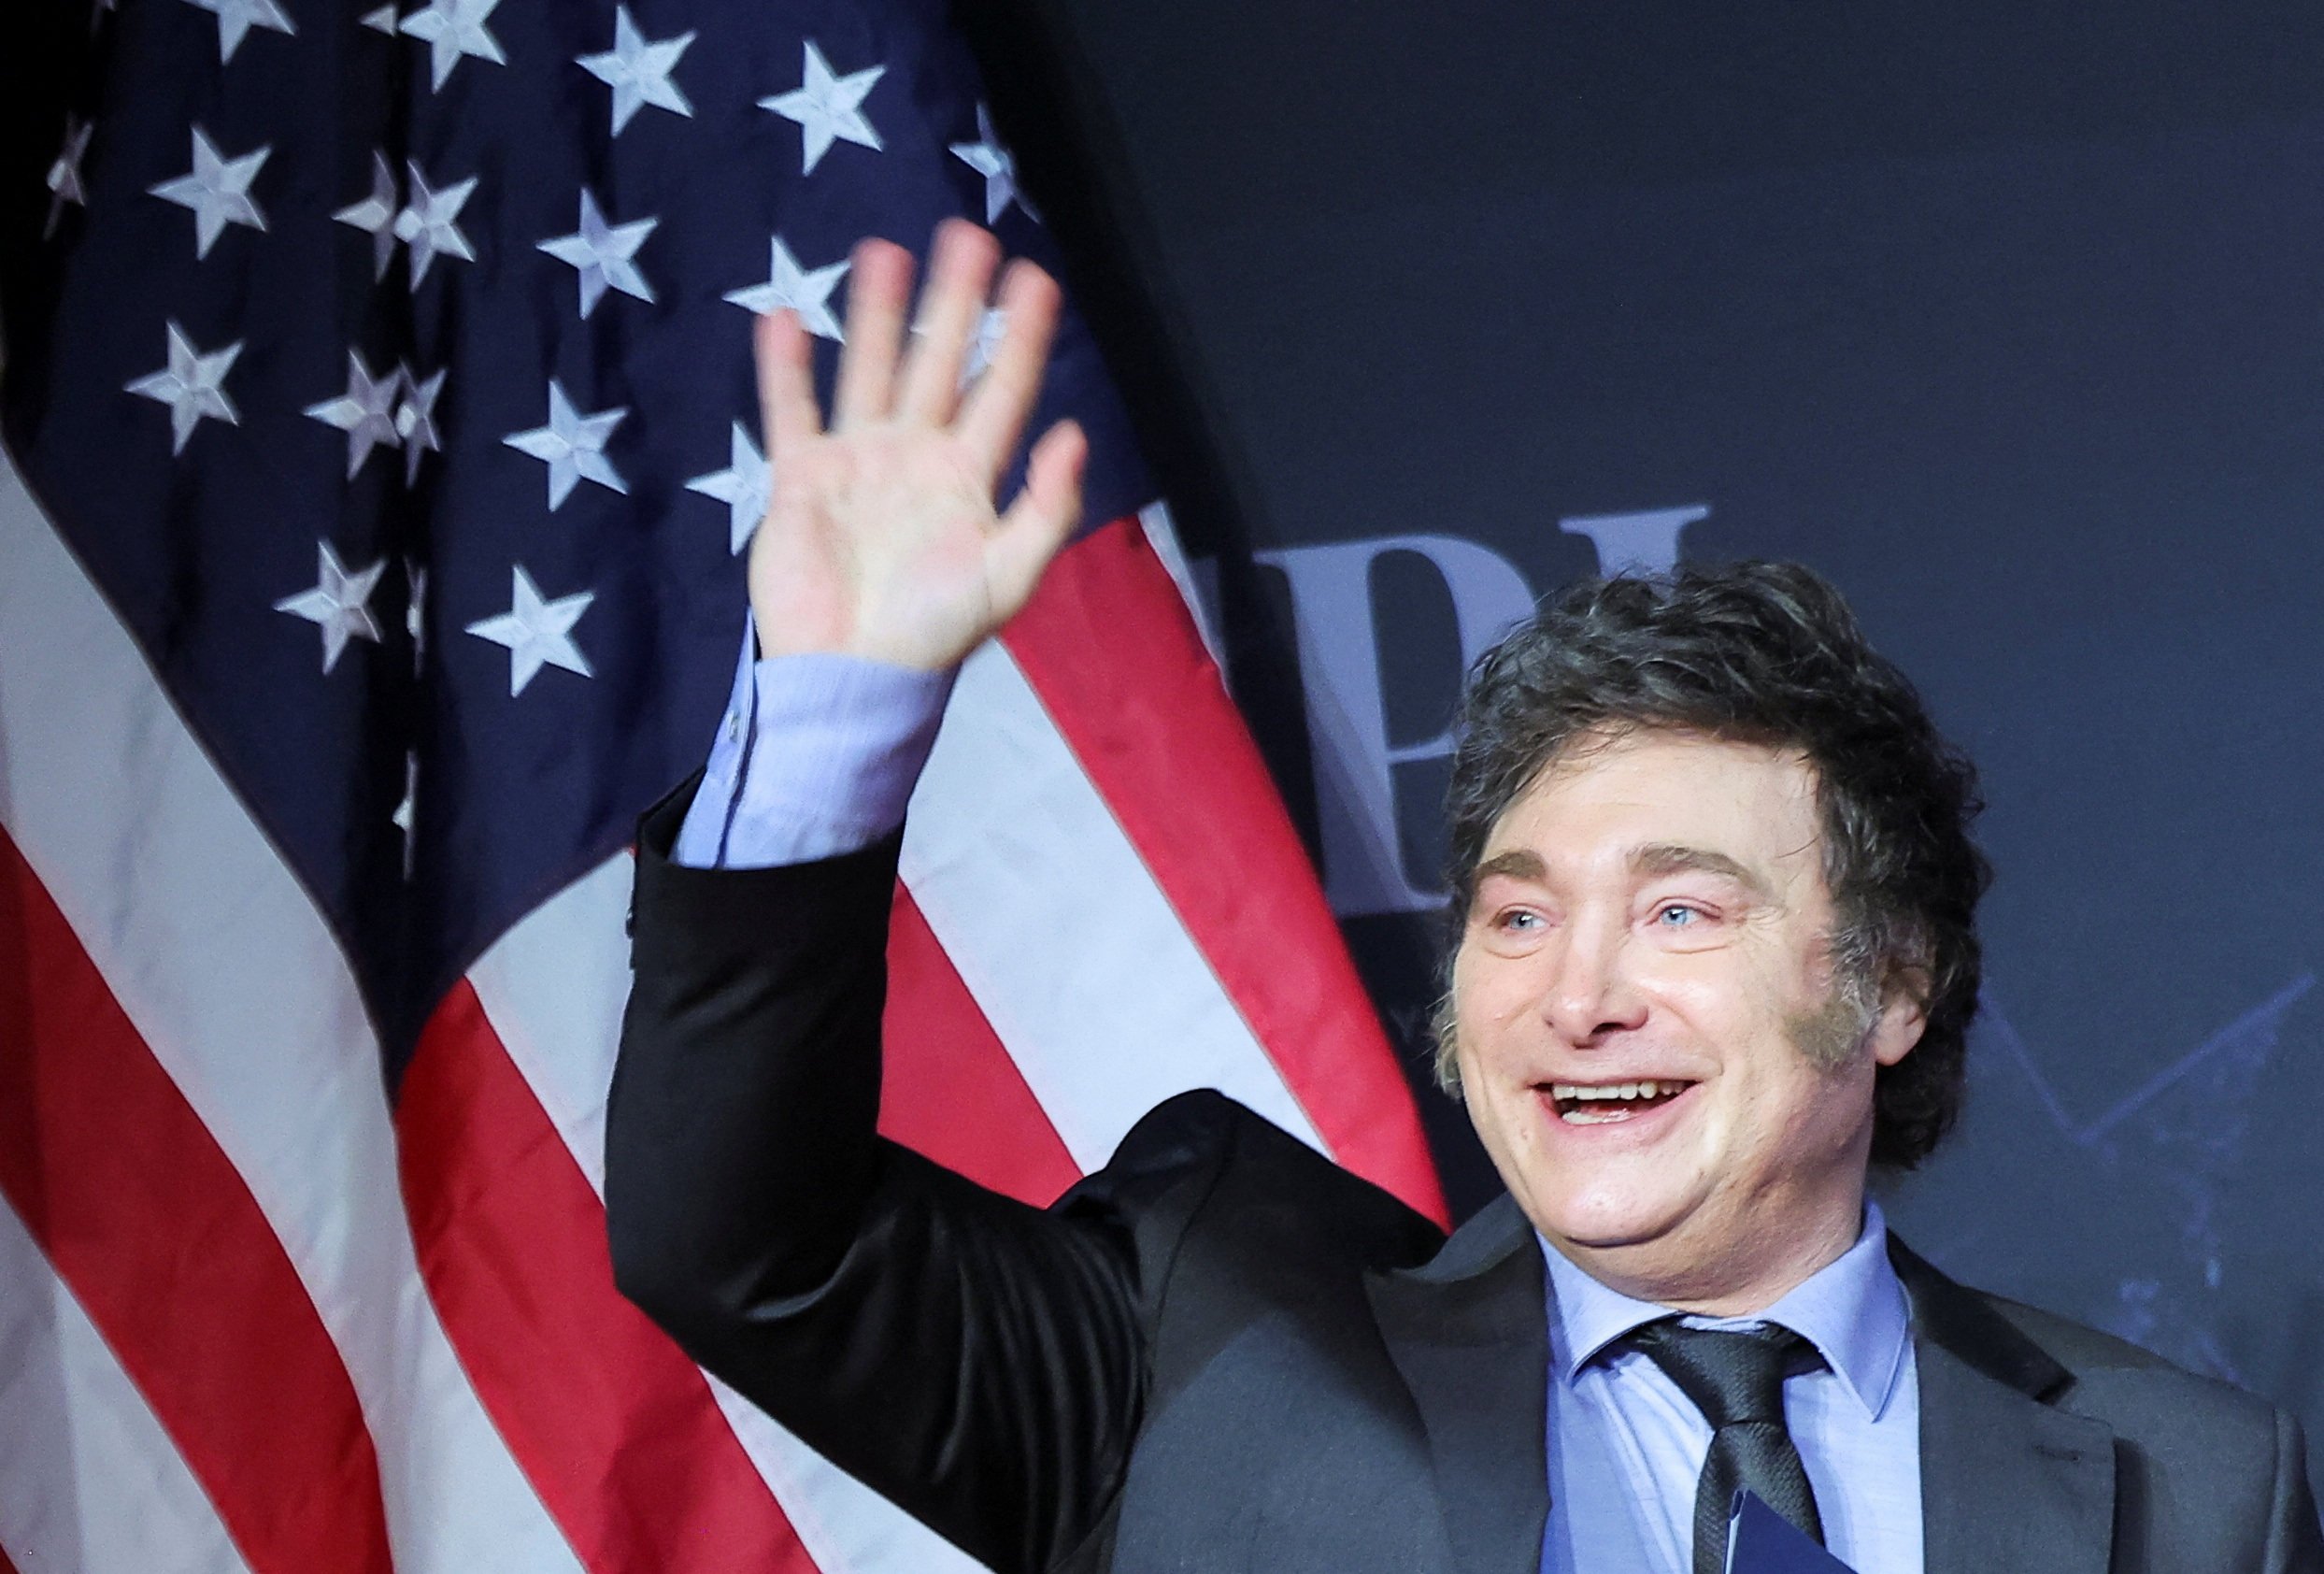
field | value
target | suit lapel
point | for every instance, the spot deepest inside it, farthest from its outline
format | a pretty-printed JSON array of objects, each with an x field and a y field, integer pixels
[
  {"x": 1469, "y": 1333},
  {"x": 2008, "y": 1481}
]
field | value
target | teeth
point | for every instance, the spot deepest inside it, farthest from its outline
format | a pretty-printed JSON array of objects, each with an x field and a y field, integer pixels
[{"x": 1585, "y": 1093}]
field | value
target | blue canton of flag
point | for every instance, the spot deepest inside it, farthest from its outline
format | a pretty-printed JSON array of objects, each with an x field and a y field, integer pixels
[{"x": 393, "y": 383}]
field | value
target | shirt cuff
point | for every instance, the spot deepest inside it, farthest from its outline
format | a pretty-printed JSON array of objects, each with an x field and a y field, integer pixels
[{"x": 816, "y": 756}]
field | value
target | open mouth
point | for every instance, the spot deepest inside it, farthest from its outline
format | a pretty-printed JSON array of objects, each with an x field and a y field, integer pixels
[{"x": 1589, "y": 1104}]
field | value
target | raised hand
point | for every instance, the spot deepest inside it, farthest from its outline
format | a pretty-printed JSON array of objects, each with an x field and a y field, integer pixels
[{"x": 882, "y": 539}]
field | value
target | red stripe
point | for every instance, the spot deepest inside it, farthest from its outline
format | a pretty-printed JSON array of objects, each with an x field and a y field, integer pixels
[
  {"x": 146, "y": 1221},
  {"x": 951, "y": 1091},
  {"x": 611, "y": 1423},
  {"x": 1108, "y": 645}
]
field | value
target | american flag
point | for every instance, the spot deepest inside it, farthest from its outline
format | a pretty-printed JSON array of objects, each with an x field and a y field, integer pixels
[{"x": 379, "y": 444}]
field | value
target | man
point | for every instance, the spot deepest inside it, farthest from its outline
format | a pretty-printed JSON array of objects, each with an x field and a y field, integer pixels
[{"x": 1716, "y": 956}]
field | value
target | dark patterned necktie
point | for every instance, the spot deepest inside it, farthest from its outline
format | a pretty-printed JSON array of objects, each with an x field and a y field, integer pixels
[{"x": 1736, "y": 1379}]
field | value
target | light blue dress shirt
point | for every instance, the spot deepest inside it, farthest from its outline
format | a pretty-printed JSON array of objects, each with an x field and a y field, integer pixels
[
  {"x": 816, "y": 756},
  {"x": 1626, "y": 1447}
]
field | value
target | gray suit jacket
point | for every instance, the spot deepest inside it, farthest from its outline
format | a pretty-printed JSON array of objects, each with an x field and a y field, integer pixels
[{"x": 1223, "y": 1352}]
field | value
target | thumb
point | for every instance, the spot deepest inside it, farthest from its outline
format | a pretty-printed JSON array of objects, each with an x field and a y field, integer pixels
[{"x": 1039, "y": 522}]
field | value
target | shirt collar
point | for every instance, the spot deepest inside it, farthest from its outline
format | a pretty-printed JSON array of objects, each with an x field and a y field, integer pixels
[{"x": 1852, "y": 1310}]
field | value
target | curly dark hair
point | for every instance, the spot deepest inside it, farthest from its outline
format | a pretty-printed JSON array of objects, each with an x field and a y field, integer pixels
[{"x": 1766, "y": 653}]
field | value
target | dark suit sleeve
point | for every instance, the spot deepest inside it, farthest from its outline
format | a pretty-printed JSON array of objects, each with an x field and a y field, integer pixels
[
  {"x": 2295, "y": 1542},
  {"x": 979, "y": 1362}
]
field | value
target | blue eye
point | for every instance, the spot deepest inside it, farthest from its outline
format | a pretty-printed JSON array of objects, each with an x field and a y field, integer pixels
[{"x": 1675, "y": 915}]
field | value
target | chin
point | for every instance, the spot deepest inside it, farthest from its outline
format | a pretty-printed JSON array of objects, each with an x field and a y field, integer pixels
[{"x": 1604, "y": 1224}]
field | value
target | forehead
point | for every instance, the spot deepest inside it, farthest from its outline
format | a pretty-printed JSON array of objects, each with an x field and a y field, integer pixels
[{"x": 1604, "y": 798}]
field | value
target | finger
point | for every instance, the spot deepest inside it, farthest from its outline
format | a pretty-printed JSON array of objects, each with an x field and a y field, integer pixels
[
  {"x": 788, "y": 414},
  {"x": 1037, "y": 524},
  {"x": 960, "y": 277},
  {"x": 879, "y": 289},
  {"x": 994, "y": 416}
]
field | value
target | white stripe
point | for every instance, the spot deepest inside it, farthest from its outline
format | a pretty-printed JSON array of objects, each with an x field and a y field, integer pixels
[
  {"x": 89, "y": 1482},
  {"x": 846, "y": 1526},
  {"x": 232, "y": 979},
  {"x": 1058, "y": 928},
  {"x": 552, "y": 987}
]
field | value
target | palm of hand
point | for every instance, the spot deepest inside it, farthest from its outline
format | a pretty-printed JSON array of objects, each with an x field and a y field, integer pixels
[
  {"x": 876, "y": 544},
  {"x": 882, "y": 540}
]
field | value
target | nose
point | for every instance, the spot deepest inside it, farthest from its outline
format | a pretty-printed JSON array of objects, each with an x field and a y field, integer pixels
[{"x": 1589, "y": 991}]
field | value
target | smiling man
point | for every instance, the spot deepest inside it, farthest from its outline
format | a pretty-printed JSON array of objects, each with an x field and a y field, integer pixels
[
  {"x": 1660, "y": 1055},
  {"x": 1716, "y": 954},
  {"x": 1715, "y": 959}
]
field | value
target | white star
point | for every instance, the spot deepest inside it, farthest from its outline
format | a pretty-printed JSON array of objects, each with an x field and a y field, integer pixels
[
  {"x": 218, "y": 191},
  {"x": 365, "y": 412},
  {"x": 337, "y": 604},
  {"x": 237, "y": 16},
  {"x": 189, "y": 385},
  {"x": 64, "y": 182},
  {"x": 415, "y": 420},
  {"x": 828, "y": 107},
  {"x": 415, "y": 610},
  {"x": 381, "y": 20},
  {"x": 987, "y": 158},
  {"x": 375, "y": 214},
  {"x": 573, "y": 445},
  {"x": 537, "y": 633},
  {"x": 452, "y": 29},
  {"x": 788, "y": 285},
  {"x": 744, "y": 486},
  {"x": 638, "y": 68},
  {"x": 428, "y": 224},
  {"x": 602, "y": 252},
  {"x": 406, "y": 812}
]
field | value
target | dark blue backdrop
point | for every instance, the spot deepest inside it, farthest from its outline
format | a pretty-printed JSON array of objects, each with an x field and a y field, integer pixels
[{"x": 2011, "y": 320}]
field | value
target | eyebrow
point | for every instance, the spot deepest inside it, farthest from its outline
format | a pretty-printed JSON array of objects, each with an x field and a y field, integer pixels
[
  {"x": 1655, "y": 858},
  {"x": 1517, "y": 864},
  {"x": 1670, "y": 858}
]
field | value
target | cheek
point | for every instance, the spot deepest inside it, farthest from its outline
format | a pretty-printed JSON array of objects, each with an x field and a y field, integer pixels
[
  {"x": 1489, "y": 993},
  {"x": 1761, "y": 1021},
  {"x": 1716, "y": 995},
  {"x": 1801, "y": 1117},
  {"x": 1742, "y": 997}
]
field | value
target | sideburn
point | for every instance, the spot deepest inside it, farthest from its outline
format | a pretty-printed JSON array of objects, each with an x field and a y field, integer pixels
[{"x": 1830, "y": 1034}]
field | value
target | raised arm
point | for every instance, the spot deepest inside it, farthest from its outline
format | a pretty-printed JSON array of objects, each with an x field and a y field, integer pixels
[{"x": 978, "y": 1360}]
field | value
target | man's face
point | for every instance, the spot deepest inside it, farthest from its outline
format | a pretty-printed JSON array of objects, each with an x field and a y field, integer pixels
[{"x": 1648, "y": 1029}]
